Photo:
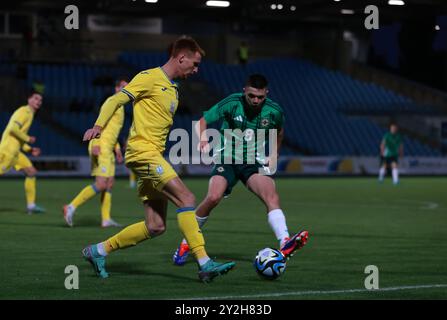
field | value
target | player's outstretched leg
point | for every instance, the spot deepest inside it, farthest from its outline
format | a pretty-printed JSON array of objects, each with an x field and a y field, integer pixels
[
  {"x": 294, "y": 243},
  {"x": 182, "y": 253},
  {"x": 98, "y": 261},
  {"x": 208, "y": 269},
  {"x": 186, "y": 218},
  {"x": 216, "y": 190}
]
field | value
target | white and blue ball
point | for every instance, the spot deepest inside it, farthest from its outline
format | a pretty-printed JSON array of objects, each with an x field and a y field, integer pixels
[{"x": 270, "y": 263}]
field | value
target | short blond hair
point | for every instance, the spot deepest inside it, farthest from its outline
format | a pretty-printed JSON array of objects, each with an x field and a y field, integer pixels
[{"x": 184, "y": 43}]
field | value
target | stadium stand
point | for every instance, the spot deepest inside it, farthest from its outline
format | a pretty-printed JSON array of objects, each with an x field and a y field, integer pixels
[
  {"x": 315, "y": 101},
  {"x": 49, "y": 140},
  {"x": 325, "y": 110}
]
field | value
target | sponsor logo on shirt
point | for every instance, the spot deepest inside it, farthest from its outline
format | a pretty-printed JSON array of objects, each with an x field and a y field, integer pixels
[{"x": 239, "y": 118}]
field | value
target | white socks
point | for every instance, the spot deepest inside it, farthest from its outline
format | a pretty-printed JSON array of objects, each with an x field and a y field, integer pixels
[
  {"x": 101, "y": 249},
  {"x": 277, "y": 222},
  {"x": 203, "y": 261},
  {"x": 394, "y": 172},
  {"x": 382, "y": 173},
  {"x": 395, "y": 176},
  {"x": 201, "y": 221}
]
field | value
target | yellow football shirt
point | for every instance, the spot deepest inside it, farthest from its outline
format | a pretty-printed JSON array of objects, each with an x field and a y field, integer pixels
[
  {"x": 110, "y": 133},
  {"x": 16, "y": 132},
  {"x": 155, "y": 102}
]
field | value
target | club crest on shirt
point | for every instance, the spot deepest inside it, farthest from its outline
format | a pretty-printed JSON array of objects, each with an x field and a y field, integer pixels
[
  {"x": 265, "y": 122},
  {"x": 220, "y": 169},
  {"x": 159, "y": 170}
]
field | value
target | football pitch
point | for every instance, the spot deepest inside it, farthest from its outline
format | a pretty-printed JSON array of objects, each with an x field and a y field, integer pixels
[{"x": 353, "y": 223}]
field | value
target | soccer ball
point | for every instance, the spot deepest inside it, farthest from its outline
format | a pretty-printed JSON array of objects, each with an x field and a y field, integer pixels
[{"x": 270, "y": 263}]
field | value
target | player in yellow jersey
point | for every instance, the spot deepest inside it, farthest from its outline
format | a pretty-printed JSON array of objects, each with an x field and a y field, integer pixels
[
  {"x": 15, "y": 139},
  {"x": 155, "y": 99},
  {"x": 102, "y": 153}
]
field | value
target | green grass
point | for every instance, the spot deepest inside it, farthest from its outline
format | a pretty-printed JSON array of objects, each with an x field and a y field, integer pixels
[{"x": 352, "y": 222}]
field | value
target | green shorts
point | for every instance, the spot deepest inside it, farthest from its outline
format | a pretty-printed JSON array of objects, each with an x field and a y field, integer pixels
[
  {"x": 235, "y": 172},
  {"x": 388, "y": 160}
]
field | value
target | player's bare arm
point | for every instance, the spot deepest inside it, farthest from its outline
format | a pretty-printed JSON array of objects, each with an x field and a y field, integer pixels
[
  {"x": 35, "y": 152},
  {"x": 92, "y": 133},
  {"x": 15, "y": 131},
  {"x": 96, "y": 150},
  {"x": 203, "y": 139},
  {"x": 119, "y": 155},
  {"x": 108, "y": 109}
]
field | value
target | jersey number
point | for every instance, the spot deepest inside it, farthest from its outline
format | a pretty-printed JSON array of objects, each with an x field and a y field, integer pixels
[{"x": 249, "y": 134}]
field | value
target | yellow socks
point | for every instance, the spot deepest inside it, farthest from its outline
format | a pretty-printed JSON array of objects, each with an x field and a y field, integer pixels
[
  {"x": 127, "y": 237},
  {"x": 30, "y": 190},
  {"x": 188, "y": 225},
  {"x": 106, "y": 205},
  {"x": 86, "y": 194},
  {"x": 138, "y": 232}
]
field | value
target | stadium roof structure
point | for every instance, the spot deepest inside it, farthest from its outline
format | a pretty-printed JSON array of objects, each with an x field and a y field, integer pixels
[{"x": 323, "y": 11}]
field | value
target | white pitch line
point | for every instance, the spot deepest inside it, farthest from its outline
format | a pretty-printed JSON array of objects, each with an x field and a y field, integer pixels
[
  {"x": 304, "y": 293},
  {"x": 424, "y": 205},
  {"x": 431, "y": 205}
]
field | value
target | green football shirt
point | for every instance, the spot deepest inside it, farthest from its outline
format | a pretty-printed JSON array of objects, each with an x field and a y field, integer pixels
[
  {"x": 243, "y": 128},
  {"x": 392, "y": 144}
]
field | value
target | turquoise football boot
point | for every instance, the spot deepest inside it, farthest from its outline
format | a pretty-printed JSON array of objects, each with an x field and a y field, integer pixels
[
  {"x": 212, "y": 269},
  {"x": 36, "y": 209},
  {"x": 98, "y": 262}
]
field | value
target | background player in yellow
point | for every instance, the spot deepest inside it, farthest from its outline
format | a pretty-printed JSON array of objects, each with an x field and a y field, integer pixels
[
  {"x": 15, "y": 139},
  {"x": 155, "y": 99},
  {"x": 102, "y": 153}
]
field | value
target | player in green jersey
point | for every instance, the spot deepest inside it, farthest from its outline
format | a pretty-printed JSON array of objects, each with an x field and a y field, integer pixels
[
  {"x": 250, "y": 112},
  {"x": 391, "y": 148}
]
